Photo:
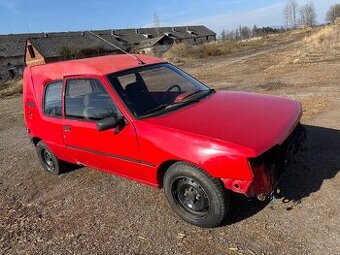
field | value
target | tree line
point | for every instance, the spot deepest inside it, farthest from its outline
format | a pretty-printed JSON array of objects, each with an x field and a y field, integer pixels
[
  {"x": 295, "y": 16},
  {"x": 244, "y": 32},
  {"x": 305, "y": 16}
]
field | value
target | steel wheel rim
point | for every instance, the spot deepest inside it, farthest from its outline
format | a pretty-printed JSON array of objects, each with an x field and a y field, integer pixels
[
  {"x": 190, "y": 196},
  {"x": 47, "y": 156}
]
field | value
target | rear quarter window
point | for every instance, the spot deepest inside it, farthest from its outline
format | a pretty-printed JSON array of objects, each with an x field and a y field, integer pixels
[{"x": 53, "y": 99}]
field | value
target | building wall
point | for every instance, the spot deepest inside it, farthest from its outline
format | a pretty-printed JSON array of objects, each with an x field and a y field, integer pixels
[
  {"x": 11, "y": 67},
  {"x": 199, "y": 39}
]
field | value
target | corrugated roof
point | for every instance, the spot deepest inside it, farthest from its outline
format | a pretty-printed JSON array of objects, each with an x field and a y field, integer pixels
[
  {"x": 130, "y": 36},
  {"x": 12, "y": 48},
  {"x": 53, "y": 45},
  {"x": 135, "y": 36}
]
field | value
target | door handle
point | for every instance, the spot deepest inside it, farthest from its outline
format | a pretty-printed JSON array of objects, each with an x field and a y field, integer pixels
[{"x": 67, "y": 128}]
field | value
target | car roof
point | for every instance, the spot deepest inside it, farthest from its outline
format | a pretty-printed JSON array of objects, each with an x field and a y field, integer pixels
[{"x": 92, "y": 66}]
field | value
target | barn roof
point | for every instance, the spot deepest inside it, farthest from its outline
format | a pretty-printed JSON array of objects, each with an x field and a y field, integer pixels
[
  {"x": 11, "y": 48},
  {"x": 53, "y": 45},
  {"x": 136, "y": 36}
]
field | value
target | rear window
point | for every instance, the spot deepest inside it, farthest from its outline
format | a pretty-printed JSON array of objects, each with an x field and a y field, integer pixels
[{"x": 53, "y": 99}]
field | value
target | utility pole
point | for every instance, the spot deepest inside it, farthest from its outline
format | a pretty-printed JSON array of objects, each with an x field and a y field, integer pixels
[{"x": 156, "y": 22}]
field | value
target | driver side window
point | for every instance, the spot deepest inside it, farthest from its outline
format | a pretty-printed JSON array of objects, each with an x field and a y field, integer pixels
[{"x": 86, "y": 99}]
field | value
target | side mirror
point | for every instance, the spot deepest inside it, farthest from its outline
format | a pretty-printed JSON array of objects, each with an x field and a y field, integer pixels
[{"x": 111, "y": 122}]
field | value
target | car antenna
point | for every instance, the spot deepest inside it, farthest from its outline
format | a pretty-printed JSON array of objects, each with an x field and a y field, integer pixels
[{"x": 124, "y": 51}]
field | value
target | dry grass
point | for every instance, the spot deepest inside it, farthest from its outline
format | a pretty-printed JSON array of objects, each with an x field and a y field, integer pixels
[
  {"x": 11, "y": 88},
  {"x": 183, "y": 51},
  {"x": 325, "y": 39},
  {"x": 312, "y": 46}
]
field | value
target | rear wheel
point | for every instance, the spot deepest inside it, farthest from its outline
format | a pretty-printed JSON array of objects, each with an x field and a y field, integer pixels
[
  {"x": 195, "y": 196},
  {"x": 48, "y": 160}
]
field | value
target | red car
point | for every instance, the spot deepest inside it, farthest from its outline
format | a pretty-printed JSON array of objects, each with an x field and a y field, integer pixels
[{"x": 147, "y": 120}]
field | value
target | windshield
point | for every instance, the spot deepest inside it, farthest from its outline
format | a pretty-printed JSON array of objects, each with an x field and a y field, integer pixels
[{"x": 157, "y": 88}]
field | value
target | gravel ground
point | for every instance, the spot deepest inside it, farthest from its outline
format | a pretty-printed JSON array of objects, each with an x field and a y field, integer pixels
[{"x": 90, "y": 212}]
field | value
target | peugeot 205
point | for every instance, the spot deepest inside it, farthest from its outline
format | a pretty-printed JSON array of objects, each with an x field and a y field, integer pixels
[{"x": 145, "y": 119}]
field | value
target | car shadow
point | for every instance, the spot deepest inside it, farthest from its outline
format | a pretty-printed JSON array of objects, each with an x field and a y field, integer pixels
[
  {"x": 68, "y": 168},
  {"x": 242, "y": 208},
  {"x": 319, "y": 160}
]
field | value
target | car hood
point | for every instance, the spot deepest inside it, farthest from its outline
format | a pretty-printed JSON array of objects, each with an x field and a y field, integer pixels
[{"x": 256, "y": 122}]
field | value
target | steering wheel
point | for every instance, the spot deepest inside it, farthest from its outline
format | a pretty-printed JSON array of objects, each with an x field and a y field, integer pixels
[{"x": 167, "y": 92}]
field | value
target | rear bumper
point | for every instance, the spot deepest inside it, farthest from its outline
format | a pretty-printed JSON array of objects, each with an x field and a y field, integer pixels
[{"x": 269, "y": 167}]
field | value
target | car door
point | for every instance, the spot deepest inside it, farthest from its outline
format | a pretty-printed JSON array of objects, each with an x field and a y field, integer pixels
[
  {"x": 49, "y": 126},
  {"x": 86, "y": 100}
]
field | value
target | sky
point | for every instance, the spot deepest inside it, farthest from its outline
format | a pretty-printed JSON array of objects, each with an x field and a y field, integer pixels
[{"x": 20, "y": 16}]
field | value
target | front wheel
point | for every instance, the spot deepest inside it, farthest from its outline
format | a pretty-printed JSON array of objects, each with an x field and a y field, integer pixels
[{"x": 195, "y": 196}]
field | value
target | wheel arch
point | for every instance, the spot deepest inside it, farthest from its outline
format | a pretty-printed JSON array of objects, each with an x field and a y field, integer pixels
[
  {"x": 163, "y": 167},
  {"x": 35, "y": 141}
]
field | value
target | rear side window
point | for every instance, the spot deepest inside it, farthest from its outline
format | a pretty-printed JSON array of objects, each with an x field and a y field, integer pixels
[
  {"x": 86, "y": 99},
  {"x": 52, "y": 100}
]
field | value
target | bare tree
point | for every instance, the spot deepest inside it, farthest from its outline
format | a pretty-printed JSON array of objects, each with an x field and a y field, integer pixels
[
  {"x": 333, "y": 13},
  {"x": 290, "y": 14},
  {"x": 308, "y": 15},
  {"x": 223, "y": 35}
]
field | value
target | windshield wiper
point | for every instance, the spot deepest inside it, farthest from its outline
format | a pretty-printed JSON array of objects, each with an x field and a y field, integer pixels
[
  {"x": 168, "y": 106},
  {"x": 156, "y": 109},
  {"x": 197, "y": 92}
]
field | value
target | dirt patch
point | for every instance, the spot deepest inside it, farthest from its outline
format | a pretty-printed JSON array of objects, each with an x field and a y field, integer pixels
[
  {"x": 314, "y": 105},
  {"x": 11, "y": 88},
  {"x": 272, "y": 86}
]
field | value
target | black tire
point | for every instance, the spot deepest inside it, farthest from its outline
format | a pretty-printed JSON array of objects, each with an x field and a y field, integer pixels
[
  {"x": 48, "y": 160},
  {"x": 195, "y": 196}
]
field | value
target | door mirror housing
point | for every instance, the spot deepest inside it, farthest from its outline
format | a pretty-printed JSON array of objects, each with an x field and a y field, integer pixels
[{"x": 111, "y": 122}]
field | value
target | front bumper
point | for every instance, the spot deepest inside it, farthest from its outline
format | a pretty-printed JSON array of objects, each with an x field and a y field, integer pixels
[{"x": 269, "y": 167}]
